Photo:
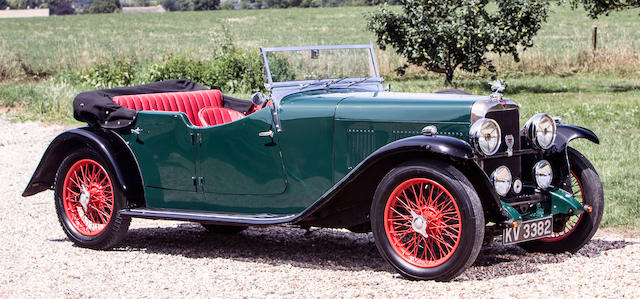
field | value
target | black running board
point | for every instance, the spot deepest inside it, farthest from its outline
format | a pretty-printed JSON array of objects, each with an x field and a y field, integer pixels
[{"x": 209, "y": 217}]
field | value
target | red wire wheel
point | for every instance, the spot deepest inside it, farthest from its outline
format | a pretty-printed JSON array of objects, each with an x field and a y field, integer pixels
[
  {"x": 422, "y": 222},
  {"x": 573, "y": 221},
  {"x": 88, "y": 197}
]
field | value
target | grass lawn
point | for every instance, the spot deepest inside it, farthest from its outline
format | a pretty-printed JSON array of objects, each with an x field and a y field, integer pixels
[{"x": 58, "y": 42}]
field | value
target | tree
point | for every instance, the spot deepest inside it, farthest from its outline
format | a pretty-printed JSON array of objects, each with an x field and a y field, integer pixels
[
  {"x": 62, "y": 8},
  {"x": 442, "y": 35},
  {"x": 104, "y": 6},
  {"x": 206, "y": 4},
  {"x": 177, "y": 5},
  {"x": 595, "y": 8}
]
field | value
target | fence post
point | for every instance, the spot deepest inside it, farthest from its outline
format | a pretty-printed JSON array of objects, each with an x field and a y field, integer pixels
[{"x": 594, "y": 40}]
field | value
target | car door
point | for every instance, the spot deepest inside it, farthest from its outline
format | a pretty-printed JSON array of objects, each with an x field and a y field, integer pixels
[
  {"x": 164, "y": 146},
  {"x": 235, "y": 159}
]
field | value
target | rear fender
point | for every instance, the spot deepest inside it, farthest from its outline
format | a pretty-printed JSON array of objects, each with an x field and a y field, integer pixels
[{"x": 107, "y": 143}]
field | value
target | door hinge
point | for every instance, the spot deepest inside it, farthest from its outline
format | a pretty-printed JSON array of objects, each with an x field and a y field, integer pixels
[
  {"x": 195, "y": 136},
  {"x": 201, "y": 179}
]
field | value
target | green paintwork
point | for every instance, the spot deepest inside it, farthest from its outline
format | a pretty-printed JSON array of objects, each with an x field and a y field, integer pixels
[
  {"x": 367, "y": 121},
  {"x": 512, "y": 212},
  {"x": 562, "y": 202},
  {"x": 324, "y": 135},
  {"x": 166, "y": 157},
  {"x": 235, "y": 160}
]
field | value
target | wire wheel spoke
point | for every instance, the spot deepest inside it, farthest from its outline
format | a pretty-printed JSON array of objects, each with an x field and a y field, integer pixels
[
  {"x": 88, "y": 197},
  {"x": 423, "y": 222}
]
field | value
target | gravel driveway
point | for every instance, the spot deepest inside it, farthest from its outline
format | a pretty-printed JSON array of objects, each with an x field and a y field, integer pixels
[{"x": 166, "y": 259}]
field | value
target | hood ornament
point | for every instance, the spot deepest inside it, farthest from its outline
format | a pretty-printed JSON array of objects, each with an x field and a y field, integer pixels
[{"x": 497, "y": 87}]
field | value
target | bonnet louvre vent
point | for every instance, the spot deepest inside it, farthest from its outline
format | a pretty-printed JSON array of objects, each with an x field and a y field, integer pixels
[{"x": 360, "y": 144}]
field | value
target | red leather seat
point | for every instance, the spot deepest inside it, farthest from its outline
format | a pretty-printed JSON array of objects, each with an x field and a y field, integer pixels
[
  {"x": 189, "y": 102},
  {"x": 255, "y": 108},
  {"x": 212, "y": 116}
]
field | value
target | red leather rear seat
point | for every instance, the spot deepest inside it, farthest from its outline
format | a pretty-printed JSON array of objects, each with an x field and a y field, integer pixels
[
  {"x": 216, "y": 116},
  {"x": 190, "y": 102}
]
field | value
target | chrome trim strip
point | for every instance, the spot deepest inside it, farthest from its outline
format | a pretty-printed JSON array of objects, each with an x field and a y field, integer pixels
[
  {"x": 480, "y": 108},
  {"x": 256, "y": 219}
]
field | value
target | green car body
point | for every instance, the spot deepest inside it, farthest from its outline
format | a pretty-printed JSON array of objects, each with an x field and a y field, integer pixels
[
  {"x": 334, "y": 153},
  {"x": 326, "y": 134}
]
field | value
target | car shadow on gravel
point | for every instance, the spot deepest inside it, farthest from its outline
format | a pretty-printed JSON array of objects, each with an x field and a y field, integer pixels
[
  {"x": 277, "y": 245},
  {"x": 330, "y": 249},
  {"x": 499, "y": 260}
]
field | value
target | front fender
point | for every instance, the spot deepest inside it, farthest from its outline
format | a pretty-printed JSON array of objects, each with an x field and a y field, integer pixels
[
  {"x": 566, "y": 133},
  {"x": 441, "y": 145},
  {"x": 107, "y": 143},
  {"x": 351, "y": 196}
]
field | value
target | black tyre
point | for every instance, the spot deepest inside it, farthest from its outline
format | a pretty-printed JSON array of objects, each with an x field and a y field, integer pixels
[
  {"x": 576, "y": 230},
  {"x": 223, "y": 229},
  {"x": 427, "y": 220},
  {"x": 88, "y": 201}
]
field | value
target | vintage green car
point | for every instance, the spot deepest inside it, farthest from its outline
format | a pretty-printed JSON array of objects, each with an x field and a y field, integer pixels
[{"x": 433, "y": 176}]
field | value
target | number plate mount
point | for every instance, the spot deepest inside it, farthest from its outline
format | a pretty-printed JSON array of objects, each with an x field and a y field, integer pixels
[{"x": 528, "y": 230}]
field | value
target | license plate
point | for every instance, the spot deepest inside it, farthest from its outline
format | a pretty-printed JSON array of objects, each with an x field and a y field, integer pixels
[{"x": 528, "y": 230}]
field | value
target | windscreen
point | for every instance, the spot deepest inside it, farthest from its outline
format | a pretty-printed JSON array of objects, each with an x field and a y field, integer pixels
[{"x": 318, "y": 64}]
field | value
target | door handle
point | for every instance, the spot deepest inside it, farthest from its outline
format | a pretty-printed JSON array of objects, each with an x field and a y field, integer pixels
[{"x": 266, "y": 134}]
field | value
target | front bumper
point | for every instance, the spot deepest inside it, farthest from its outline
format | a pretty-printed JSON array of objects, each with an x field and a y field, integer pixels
[{"x": 553, "y": 202}]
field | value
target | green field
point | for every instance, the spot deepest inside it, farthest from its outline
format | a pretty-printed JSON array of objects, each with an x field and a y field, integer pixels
[
  {"x": 58, "y": 42},
  {"x": 559, "y": 75}
]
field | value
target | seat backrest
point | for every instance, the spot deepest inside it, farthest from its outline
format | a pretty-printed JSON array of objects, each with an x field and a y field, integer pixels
[
  {"x": 189, "y": 102},
  {"x": 212, "y": 116},
  {"x": 255, "y": 108}
]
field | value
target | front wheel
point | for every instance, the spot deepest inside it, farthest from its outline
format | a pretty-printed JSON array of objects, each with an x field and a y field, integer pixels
[
  {"x": 87, "y": 202},
  {"x": 427, "y": 220},
  {"x": 576, "y": 231}
]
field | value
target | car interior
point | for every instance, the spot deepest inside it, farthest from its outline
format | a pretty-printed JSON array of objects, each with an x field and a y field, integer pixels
[{"x": 203, "y": 108}]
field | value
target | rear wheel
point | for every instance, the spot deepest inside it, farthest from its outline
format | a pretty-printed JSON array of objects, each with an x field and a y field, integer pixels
[
  {"x": 427, "y": 221},
  {"x": 87, "y": 202},
  {"x": 223, "y": 229},
  {"x": 575, "y": 231}
]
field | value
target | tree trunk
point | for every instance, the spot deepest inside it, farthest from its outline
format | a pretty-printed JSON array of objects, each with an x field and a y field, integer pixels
[{"x": 448, "y": 77}]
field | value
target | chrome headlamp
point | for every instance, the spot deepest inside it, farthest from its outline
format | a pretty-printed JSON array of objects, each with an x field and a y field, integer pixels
[
  {"x": 501, "y": 179},
  {"x": 541, "y": 130},
  {"x": 543, "y": 173},
  {"x": 486, "y": 136}
]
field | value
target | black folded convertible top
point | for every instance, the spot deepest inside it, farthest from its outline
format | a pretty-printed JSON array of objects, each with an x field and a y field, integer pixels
[{"x": 97, "y": 108}]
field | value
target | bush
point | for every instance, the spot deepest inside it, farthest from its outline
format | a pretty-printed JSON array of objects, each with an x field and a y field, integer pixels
[
  {"x": 3, "y": 4},
  {"x": 178, "y": 5},
  {"x": 62, "y": 8},
  {"x": 237, "y": 70},
  {"x": 206, "y": 4},
  {"x": 180, "y": 67},
  {"x": 104, "y": 6},
  {"x": 231, "y": 70},
  {"x": 110, "y": 74},
  {"x": 228, "y": 5}
]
